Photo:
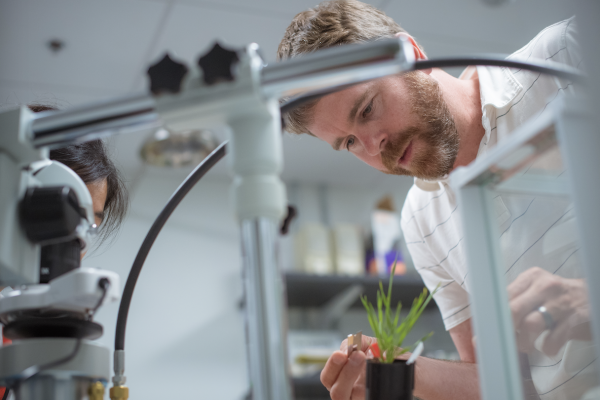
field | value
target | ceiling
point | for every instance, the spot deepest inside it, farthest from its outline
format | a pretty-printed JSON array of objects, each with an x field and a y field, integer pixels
[{"x": 108, "y": 44}]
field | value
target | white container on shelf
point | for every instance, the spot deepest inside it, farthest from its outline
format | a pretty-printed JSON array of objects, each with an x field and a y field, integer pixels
[
  {"x": 313, "y": 249},
  {"x": 348, "y": 249}
]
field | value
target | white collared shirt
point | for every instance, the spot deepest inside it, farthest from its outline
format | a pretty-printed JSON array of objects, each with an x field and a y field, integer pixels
[{"x": 529, "y": 225}]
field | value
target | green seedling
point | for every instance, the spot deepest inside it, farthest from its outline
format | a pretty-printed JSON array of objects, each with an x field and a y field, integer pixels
[{"x": 389, "y": 330}]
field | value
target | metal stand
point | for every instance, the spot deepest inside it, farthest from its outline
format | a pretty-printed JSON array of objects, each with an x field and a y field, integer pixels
[
  {"x": 266, "y": 325},
  {"x": 259, "y": 202}
]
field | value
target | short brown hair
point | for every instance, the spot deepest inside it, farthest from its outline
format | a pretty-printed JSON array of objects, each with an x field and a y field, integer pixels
[{"x": 331, "y": 23}]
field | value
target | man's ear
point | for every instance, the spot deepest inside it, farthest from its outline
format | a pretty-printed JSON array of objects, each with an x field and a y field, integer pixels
[{"x": 419, "y": 54}]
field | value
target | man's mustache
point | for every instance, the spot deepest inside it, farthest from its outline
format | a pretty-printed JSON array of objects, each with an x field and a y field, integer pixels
[{"x": 396, "y": 145}]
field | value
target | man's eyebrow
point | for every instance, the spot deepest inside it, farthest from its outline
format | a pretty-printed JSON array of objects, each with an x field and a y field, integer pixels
[
  {"x": 100, "y": 215},
  {"x": 357, "y": 104},
  {"x": 337, "y": 143}
]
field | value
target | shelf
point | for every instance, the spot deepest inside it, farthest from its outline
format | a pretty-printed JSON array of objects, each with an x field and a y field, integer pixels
[{"x": 306, "y": 290}]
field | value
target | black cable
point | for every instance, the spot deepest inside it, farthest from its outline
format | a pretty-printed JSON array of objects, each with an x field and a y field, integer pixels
[
  {"x": 6, "y": 393},
  {"x": 158, "y": 224},
  {"x": 36, "y": 369},
  {"x": 563, "y": 72},
  {"x": 104, "y": 284},
  {"x": 492, "y": 61}
]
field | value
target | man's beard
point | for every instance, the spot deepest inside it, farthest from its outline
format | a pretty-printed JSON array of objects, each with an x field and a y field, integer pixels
[{"x": 436, "y": 131}]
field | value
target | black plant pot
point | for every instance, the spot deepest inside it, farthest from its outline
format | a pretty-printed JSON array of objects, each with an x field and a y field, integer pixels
[{"x": 390, "y": 381}]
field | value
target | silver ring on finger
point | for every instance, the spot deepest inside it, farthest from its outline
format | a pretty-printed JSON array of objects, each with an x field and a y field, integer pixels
[{"x": 548, "y": 320}]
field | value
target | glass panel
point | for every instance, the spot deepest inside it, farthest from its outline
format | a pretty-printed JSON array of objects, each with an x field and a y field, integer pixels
[{"x": 535, "y": 224}]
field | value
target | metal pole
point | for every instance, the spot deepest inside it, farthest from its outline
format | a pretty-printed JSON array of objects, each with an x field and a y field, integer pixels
[
  {"x": 259, "y": 201},
  {"x": 265, "y": 311},
  {"x": 321, "y": 72},
  {"x": 499, "y": 377},
  {"x": 57, "y": 129},
  {"x": 337, "y": 67}
]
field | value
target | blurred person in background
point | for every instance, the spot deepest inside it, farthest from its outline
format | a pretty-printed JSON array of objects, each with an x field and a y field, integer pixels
[{"x": 425, "y": 124}]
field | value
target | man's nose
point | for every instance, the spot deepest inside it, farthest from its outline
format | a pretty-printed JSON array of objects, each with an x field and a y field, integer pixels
[{"x": 374, "y": 141}]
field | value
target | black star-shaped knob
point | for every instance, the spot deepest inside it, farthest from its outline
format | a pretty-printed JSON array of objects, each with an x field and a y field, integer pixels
[
  {"x": 166, "y": 76},
  {"x": 217, "y": 65}
]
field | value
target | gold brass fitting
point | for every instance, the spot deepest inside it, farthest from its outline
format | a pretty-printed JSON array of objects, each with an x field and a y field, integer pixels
[
  {"x": 96, "y": 391},
  {"x": 119, "y": 393}
]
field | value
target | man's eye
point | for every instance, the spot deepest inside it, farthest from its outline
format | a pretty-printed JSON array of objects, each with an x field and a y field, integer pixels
[
  {"x": 367, "y": 110},
  {"x": 349, "y": 143}
]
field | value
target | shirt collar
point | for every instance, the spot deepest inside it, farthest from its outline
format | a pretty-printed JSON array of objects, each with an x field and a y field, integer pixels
[{"x": 497, "y": 87}]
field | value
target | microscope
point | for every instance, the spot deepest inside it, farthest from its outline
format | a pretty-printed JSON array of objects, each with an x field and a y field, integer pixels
[{"x": 48, "y": 302}]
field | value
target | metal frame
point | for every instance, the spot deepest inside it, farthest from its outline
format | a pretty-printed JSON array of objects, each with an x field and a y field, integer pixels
[
  {"x": 498, "y": 362},
  {"x": 319, "y": 72},
  {"x": 579, "y": 139},
  {"x": 498, "y": 368},
  {"x": 575, "y": 128},
  {"x": 496, "y": 348}
]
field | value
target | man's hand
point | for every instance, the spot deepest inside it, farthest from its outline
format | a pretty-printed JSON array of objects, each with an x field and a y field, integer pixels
[
  {"x": 344, "y": 376},
  {"x": 565, "y": 300}
]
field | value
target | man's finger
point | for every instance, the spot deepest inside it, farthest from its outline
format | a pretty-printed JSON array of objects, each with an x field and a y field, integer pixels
[
  {"x": 332, "y": 368},
  {"x": 556, "y": 339},
  {"x": 535, "y": 296},
  {"x": 366, "y": 342},
  {"x": 531, "y": 327},
  {"x": 342, "y": 388},
  {"x": 344, "y": 345},
  {"x": 358, "y": 390},
  {"x": 523, "y": 281}
]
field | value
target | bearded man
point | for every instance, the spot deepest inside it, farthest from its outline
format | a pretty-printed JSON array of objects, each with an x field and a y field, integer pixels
[{"x": 425, "y": 124}]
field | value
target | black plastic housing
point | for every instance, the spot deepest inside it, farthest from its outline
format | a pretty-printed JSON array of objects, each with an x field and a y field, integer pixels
[
  {"x": 58, "y": 259},
  {"x": 29, "y": 327},
  {"x": 50, "y": 213},
  {"x": 393, "y": 381}
]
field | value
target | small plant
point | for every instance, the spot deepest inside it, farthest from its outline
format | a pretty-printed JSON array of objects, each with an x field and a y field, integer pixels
[{"x": 389, "y": 330}]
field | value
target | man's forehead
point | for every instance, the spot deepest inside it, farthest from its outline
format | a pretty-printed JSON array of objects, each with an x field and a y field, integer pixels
[
  {"x": 346, "y": 96},
  {"x": 331, "y": 112}
]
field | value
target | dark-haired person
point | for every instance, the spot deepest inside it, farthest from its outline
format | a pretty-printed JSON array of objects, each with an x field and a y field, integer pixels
[
  {"x": 91, "y": 162},
  {"x": 425, "y": 124}
]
